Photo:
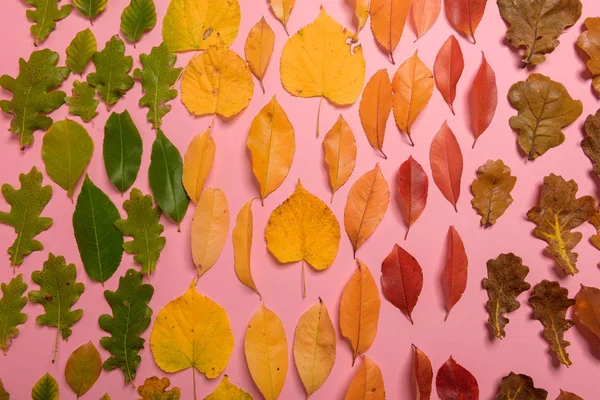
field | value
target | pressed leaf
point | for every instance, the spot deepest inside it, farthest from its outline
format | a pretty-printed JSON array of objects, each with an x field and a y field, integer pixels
[
  {"x": 45, "y": 16},
  {"x": 82, "y": 101},
  {"x": 11, "y": 315},
  {"x": 130, "y": 318},
  {"x": 558, "y": 212},
  {"x": 367, "y": 203},
  {"x": 446, "y": 164},
  {"x": 359, "y": 310},
  {"x": 589, "y": 41},
  {"x": 314, "y": 347},
  {"x": 454, "y": 277},
  {"x": 591, "y": 142},
  {"x": 550, "y": 303},
  {"x": 361, "y": 12},
  {"x": 227, "y": 390},
  {"x": 413, "y": 186},
  {"x": 83, "y": 368},
  {"x": 453, "y": 382},
  {"x": 545, "y": 107},
  {"x": 138, "y": 17},
  {"x": 100, "y": 244},
  {"x": 388, "y": 18},
  {"x": 483, "y": 99},
  {"x": 587, "y": 308},
  {"x": 448, "y": 68},
  {"x": 282, "y": 10},
  {"x": 242, "y": 245},
  {"x": 375, "y": 107},
  {"x": 425, "y": 13},
  {"x": 33, "y": 94},
  {"x": 595, "y": 221},
  {"x": 465, "y": 15},
  {"x": 46, "y": 388},
  {"x": 122, "y": 150},
  {"x": 401, "y": 280},
  {"x": 105, "y": 396},
  {"x": 197, "y": 162},
  {"x": 90, "y": 8},
  {"x": 26, "y": 206},
  {"x": 367, "y": 383},
  {"x": 4, "y": 395},
  {"x": 81, "y": 50},
  {"x": 112, "y": 79},
  {"x": 536, "y": 26},
  {"x": 156, "y": 389},
  {"x": 258, "y": 49},
  {"x": 519, "y": 386},
  {"x": 340, "y": 154},
  {"x": 423, "y": 374},
  {"x": 272, "y": 145},
  {"x": 504, "y": 283},
  {"x": 568, "y": 396},
  {"x": 491, "y": 191},
  {"x": 210, "y": 228}
]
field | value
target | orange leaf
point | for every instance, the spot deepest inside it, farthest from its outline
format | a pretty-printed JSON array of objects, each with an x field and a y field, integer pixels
[
  {"x": 483, "y": 99},
  {"x": 455, "y": 273},
  {"x": 425, "y": 13},
  {"x": 367, "y": 384},
  {"x": 340, "y": 153},
  {"x": 465, "y": 15},
  {"x": 423, "y": 374},
  {"x": 388, "y": 18},
  {"x": 446, "y": 164},
  {"x": 568, "y": 396},
  {"x": 374, "y": 109},
  {"x": 258, "y": 49},
  {"x": 447, "y": 69},
  {"x": 587, "y": 309},
  {"x": 413, "y": 185}
]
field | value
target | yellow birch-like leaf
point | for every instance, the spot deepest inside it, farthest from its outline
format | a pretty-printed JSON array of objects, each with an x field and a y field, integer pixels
[
  {"x": 228, "y": 391},
  {"x": 197, "y": 162},
  {"x": 340, "y": 153},
  {"x": 282, "y": 10},
  {"x": 258, "y": 49},
  {"x": 361, "y": 12},
  {"x": 367, "y": 384},
  {"x": 242, "y": 246}
]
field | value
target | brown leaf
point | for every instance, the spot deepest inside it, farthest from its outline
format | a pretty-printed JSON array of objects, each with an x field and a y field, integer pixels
[
  {"x": 454, "y": 382},
  {"x": 595, "y": 239},
  {"x": 454, "y": 277},
  {"x": 491, "y": 191},
  {"x": 519, "y": 387},
  {"x": 589, "y": 41},
  {"x": 423, "y": 374},
  {"x": 375, "y": 107},
  {"x": 567, "y": 396},
  {"x": 591, "y": 142},
  {"x": 483, "y": 99},
  {"x": 446, "y": 164},
  {"x": 447, "y": 69},
  {"x": 587, "y": 309}
]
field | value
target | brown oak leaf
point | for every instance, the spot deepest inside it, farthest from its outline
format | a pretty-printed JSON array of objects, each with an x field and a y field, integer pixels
[
  {"x": 567, "y": 396},
  {"x": 589, "y": 41},
  {"x": 595, "y": 239},
  {"x": 591, "y": 142},
  {"x": 491, "y": 191},
  {"x": 519, "y": 387}
]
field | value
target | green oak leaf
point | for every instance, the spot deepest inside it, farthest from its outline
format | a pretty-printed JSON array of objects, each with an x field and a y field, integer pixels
[
  {"x": 45, "y": 389},
  {"x": 26, "y": 206},
  {"x": 138, "y": 17},
  {"x": 100, "y": 244},
  {"x": 11, "y": 305},
  {"x": 44, "y": 16},
  {"x": 82, "y": 101},
  {"x": 90, "y": 8},
  {"x": 33, "y": 94},
  {"x": 81, "y": 50},
  {"x": 122, "y": 150},
  {"x": 83, "y": 368},
  {"x": 58, "y": 293},
  {"x": 131, "y": 317},
  {"x": 142, "y": 224},
  {"x": 158, "y": 76},
  {"x": 4, "y": 395},
  {"x": 111, "y": 78}
]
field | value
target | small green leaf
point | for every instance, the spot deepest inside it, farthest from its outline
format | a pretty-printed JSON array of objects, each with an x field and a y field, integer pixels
[
  {"x": 165, "y": 176},
  {"x": 100, "y": 243},
  {"x": 82, "y": 101},
  {"x": 90, "y": 8},
  {"x": 138, "y": 17},
  {"x": 45, "y": 15},
  {"x": 156, "y": 389},
  {"x": 33, "y": 94},
  {"x": 142, "y": 225},
  {"x": 27, "y": 203},
  {"x": 105, "y": 396},
  {"x": 11, "y": 305},
  {"x": 81, "y": 50},
  {"x": 4, "y": 395},
  {"x": 158, "y": 76},
  {"x": 111, "y": 78},
  {"x": 83, "y": 368},
  {"x": 45, "y": 389},
  {"x": 122, "y": 150},
  {"x": 131, "y": 317}
]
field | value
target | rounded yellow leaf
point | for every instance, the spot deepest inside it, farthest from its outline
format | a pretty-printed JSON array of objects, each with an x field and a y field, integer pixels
[
  {"x": 282, "y": 10},
  {"x": 242, "y": 246},
  {"x": 192, "y": 331},
  {"x": 197, "y": 162},
  {"x": 216, "y": 81},
  {"x": 258, "y": 49},
  {"x": 340, "y": 153},
  {"x": 367, "y": 384},
  {"x": 228, "y": 391}
]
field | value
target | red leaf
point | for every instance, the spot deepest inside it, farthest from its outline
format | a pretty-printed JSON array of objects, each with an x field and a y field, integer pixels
[
  {"x": 447, "y": 69},
  {"x": 465, "y": 15},
  {"x": 423, "y": 374},
  {"x": 401, "y": 280},
  {"x": 483, "y": 99},
  {"x": 453, "y": 382},
  {"x": 413, "y": 185},
  {"x": 446, "y": 164},
  {"x": 455, "y": 272},
  {"x": 425, "y": 13}
]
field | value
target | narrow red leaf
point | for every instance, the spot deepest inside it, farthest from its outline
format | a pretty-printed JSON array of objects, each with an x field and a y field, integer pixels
[
  {"x": 413, "y": 185},
  {"x": 454, "y": 382},
  {"x": 455, "y": 271},
  {"x": 425, "y": 13},
  {"x": 446, "y": 164},
  {"x": 447, "y": 69},
  {"x": 465, "y": 15},
  {"x": 483, "y": 99},
  {"x": 423, "y": 374},
  {"x": 401, "y": 280}
]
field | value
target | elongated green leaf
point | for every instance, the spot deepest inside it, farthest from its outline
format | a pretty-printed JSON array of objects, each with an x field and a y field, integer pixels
[
  {"x": 122, "y": 150},
  {"x": 100, "y": 243},
  {"x": 131, "y": 317},
  {"x": 45, "y": 389},
  {"x": 83, "y": 368},
  {"x": 142, "y": 225},
  {"x": 44, "y": 16},
  {"x": 4, "y": 395},
  {"x": 81, "y": 50},
  {"x": 26, "y": 206},
  {"x": 82, "y": 101},
  {"x": 67, "y": 149},
  {"x": 138, "y": 17},
  {"x": 165, "y": 176},
  {"x": 11, "y": 305},
  {"x": 90, "y": 8},
  {"x": 158, "y": 76}
]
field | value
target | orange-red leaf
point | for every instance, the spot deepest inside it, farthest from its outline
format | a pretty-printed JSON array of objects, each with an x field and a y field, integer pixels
[
  {"x": 455, "y": 272},
  {"x": 454, "y": 382},
  {"x": 587, "y": 309},
  {"x": 374, "y": 109},
  {"x": 447, "y": 69},
  {"x": 483, "y": 99},
  {"x": 425, "y": 13},
  {"x": 465, "y": 15},
  {"x": 423, "y": 374},
  {"x": 413, "y": 185},
  {"x": 446, "y": 164},
  {"x": 388, "y": 18}
]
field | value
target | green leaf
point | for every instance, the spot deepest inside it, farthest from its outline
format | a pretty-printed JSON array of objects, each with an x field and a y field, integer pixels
[
  {"x": 82, "y": 102},
  {"x": 156, "y": 389},
  {"x": 4, "y": 395},
  {"x": 131, "y": 317},
  {"x": 90, "y": 8},
  {"x": 111, "y": 78},
  {"x": 66, "y": 150},
  {"x": 100, "y": 243},
  {"x": 45, "y": 389},
  {"x": 143, "y": 226},
  {"x": 105, "y": 396},
  {"x": 122, "y": 150},
  {"x": 165, "y": 176},
  {"x": 83, "y": 368},
  {"x": 45, "y": 15},
  {"x": 138, "y": 17},
  {"x": 33, "y": 94},
  {"x": 11, "y": 305},
  {"x": 26, "y": 206},
  {"x": 81, "y": 50},
  {"x": 58, "y": 293}
]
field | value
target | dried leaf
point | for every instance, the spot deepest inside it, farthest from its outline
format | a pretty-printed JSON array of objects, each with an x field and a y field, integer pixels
[
  {"x": 591, "y": 142},
  {"x": 413, "y": 186},
  {"x": 455, "y": 272},
  {"x": 197, "y": 162},
  {"x": 587, "y": 309},
  {"x": 491, "y": 191},
  {"x": 568, "y": 396},
  {"x": 258, "y": 49},
  {"x": 45, "y": 16},
  {"x": 589, "y": 41},
  {"x": 519, "y": 387},
  {"x": 242, "y": 246},
  {"x": 448, "y": 68},
  {"x": 112, "y": 79},
  {"x": 4, "y": 395},
  {"x": 595, "y": 239},
  {"x": 138, "y": 17},
  {"x": 465, "y": 15},
  {"x": 46, "y": 388},
  {"x": 374, "y": 109},
  {"x": 423, "y": 374},
  {"x": 367, "y": 383},
  {"x": 227, "y": 390},
  {"x": 90, "y": 8},
  {"x": 82, "y": 101},
  {"x": 340, "y": 154},
  {"x": 424, "y": 14},
  {"x": 81, "y": 50},
  {"x": 388, "y": 18},
  {"x": 156, "y": 389},
  {"x": 11, "y": 315},
  {"x": 446, "y": 164},
  {"x": 83, "y": 368},
  {"x": 483, "y": 99},
  {"x": 282, "y": 10},
  {"x": 454, "y": 382},
  {"x": 361, "y": 12}
]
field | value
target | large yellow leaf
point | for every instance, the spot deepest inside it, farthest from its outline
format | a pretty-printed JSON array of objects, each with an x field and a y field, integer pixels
[
  {"x": 266, "y": 351},
  {"x": 272, "y": 145},
  {"x": 258, "y": 49},
  {"x": 197, "y": 162},
  {"x": 216, "y": 81},
  {"x": 242, "y": 246},
  {"x": 192, "y": 331},
  {"x": 367, "y": 384},
  {"x": 210, "y": 227},
  {"x": 314, "y": 347},
  {"x": 282, "y": 10},
  {"x": 198, "y": 24},
  {"x": 359, "y": 310},
  {"x": 228, "y": 391},
  {"x": 388, "y": 18},
  {"x": 340, "y": 153}
]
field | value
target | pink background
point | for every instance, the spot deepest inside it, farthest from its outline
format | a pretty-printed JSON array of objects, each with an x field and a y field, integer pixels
[{"x": 465, "y": 334}]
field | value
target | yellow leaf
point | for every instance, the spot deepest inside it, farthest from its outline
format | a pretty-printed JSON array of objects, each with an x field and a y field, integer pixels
[
  {"x": 272, "y": 145},
  {"x": 192, "y": 331},
  {"x": 210, "y": 227},
  {"x": 340, "y": 153},
  {"x": 196, "y": 24},
  {"x": 359, "y": 310},
  {"x": 216, "y": 81},
  {"x": 367, "y": 384},
  {"x": 242, "y": 246},
  {"x": 374, "y": 109},
  {"x": 282, "y": 10},
  {"x": 197, "y": 162},
  {"x": 388, "y": 18},
  {"x": 361, "y": 11},
  {"x": 258, "y": 49},
  {"x": 314, "y": 347},
  {"x": 367, "y": 203},
  {"x": 228, "y": 391},
  {"x": 266, "y": 351}
]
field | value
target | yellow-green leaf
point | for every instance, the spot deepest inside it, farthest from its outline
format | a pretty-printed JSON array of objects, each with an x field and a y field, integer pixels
[
  {"x": 197, "y": 162},
  {"x": 83, "y": 368},
  {"x": 228, "y": 391}
]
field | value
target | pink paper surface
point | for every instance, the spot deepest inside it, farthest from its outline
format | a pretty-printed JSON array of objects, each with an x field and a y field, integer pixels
[{"x": 464, "y": 335}]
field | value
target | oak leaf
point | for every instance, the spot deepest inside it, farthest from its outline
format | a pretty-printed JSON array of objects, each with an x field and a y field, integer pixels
[
  {"x": 45, "y": 16},
  {"x": 11, "y": 315},
  {"x": 4, "y": 395},
  {"x": 46, "y": 388},
  {"x": 446, "y": 164},
  {"x": 453, "y": 382},
  {"x": 156, "y": 389},
  {"x": 81, "y": 50},
  {"x": 227, "y": 390},
  {"x": 413, "y": 186},
  {"x": 447, "y": 69},
  {"x": 595, "y": 221},
  {"x": 138, "y": 17},
  {"x": 454, "y": 277},
  {"x": 423, "y": 374},
  {"x": 465, "y": 15},
  {"x": 374, "y": 109},
  {"x": 340, "y": 154},
  {"x": 591, "y": 142},
  {"x": 82, "y": 101},
  {"x": 424, "y": 14},
  {"x": 197, "y": 163},
  {"x": 242, "y": 246},
  {"x": 491, "y": 191},
  {"x": 519, "y": 386},
  {"x": 83, "y": 368},
  {"x": 483, "y": 99},
  {"x": 388, "y": 18},
  {"x": 587, "y": 309},
  {"x": 111, "y": 78},
  {"x": 282, "y": 10},
  {"x": 589, "y": 41},
  {"x": 258, "y": 49},
  {"x": 367, "y": 383}
]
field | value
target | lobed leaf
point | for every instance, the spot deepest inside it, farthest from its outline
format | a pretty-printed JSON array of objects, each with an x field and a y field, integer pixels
[
  {"x": 11, "y": 315},
  {"x": 44, "y": 16},
  {"x": 156, "y": 389},
  {"x": 519, "y": 386},
  {"x": 82, "y": 101}
]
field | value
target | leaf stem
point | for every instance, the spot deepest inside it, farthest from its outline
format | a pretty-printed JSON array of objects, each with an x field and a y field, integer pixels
[
  {"x": 194, "y": 381},
  {"x": 319, "y": 116},
  {"x": 303, "y": 280}
]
